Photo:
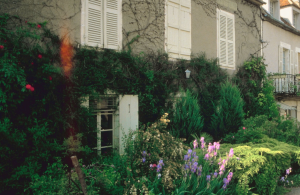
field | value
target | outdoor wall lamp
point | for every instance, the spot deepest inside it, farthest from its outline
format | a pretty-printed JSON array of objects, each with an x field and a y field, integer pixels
[{"x": 187, "y": 73}]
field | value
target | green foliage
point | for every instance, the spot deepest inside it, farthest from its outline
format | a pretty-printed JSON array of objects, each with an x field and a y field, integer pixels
[
  {"x": 208, "y": 79},
  {"x": 158, "y": 144},
  {"x": 228, "y": 112},
  {"x": 34, "y": 123},
  {"x": 261, "y": 165},
  {"x": 256, "y": 89},
  {"x": 285, "y": 130},
  {"x": 186, "y": 118}
]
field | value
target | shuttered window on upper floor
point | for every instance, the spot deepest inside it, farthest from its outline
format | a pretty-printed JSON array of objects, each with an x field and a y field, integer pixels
[
  {"x": 226, "y": 39},
  {"x": 101, "y": 23},
  {"x": 178, "y": 31}
]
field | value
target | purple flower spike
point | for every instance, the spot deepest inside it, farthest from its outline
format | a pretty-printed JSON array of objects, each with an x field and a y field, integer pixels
[
  {"x": 231, "y": 153},
  {"x": 144, "y": 153},
  {"x": 208, "y": 178},
  {"x": 225, "y": 181},
  {"x": 215, "y": 174},
  {"x": 224, "y": 186},
  {"x": 206, "y": 157},
  {"x": 190, "y": 151},
  {"x": 186, "y": 157},
  {"x": 144, "y": 159}
]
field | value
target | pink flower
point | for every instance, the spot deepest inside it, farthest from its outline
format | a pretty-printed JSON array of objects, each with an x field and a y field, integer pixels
[
  {"x": 31, "y": 63},
  {"x": 232, "y": 136},
  {"x": 195, "y": 144},
  {"x": 154, "y": 165},
  {"x": 50, "y": 78},
  {"x": 39, "y": 26},
  {"x": 1, "y": 47},
  {"x": 40, "y": 56},
  {"x": 244, "y": 128}
]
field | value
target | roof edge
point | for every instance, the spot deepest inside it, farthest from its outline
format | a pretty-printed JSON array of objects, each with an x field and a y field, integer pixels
[
  {"x": 257, "y": 2},
  {"x": 269, "y": 18}
]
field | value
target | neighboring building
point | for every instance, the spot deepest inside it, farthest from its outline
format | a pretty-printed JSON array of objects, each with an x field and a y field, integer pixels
[
  {"x": 228, "y": 29},
  {"x": 281, "y": 48}
]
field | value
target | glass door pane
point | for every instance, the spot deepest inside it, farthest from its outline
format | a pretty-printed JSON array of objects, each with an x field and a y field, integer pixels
[
  {"x": 106, "y": 138},
  {"x": 106, "y": 121}
]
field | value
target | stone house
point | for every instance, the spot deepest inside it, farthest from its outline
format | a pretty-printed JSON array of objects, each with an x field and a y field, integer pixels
[{"x": 229, "y": 30}]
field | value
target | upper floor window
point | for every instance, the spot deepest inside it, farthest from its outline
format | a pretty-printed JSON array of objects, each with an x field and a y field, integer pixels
[
  {"x": 101, "y": 23},
  {"x": 226, "y": 39},
  {"x": 178, "y": 31},
  {"x": 286, "y": 58}
]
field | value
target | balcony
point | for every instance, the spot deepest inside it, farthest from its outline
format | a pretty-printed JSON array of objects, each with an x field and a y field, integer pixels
[{"x": 286, "y": 84}]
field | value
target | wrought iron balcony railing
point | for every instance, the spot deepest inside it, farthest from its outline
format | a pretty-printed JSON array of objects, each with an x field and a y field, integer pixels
[{"x": 286, "y": 83}]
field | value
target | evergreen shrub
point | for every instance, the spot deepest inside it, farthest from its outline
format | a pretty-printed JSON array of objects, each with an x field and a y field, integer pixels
[
  {"x": 185, "y": 118},
  {"x": 229, "y": 111}
]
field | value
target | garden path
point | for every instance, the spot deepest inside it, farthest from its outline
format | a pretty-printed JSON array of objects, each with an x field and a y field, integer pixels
[{"x": 295, "y": 191}]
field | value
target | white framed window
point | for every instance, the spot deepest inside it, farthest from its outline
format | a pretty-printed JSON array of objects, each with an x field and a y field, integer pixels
[
  {"x": 297, "y": 60},
  {"x": 104, "y": 118},
  {"x": 101, "y": 23},
  {"x": 226, "y": 39},
  {"x": 178, "y": 28},
  {"x": 286, "y": 59},
  {"x": 113, "y": 115}
]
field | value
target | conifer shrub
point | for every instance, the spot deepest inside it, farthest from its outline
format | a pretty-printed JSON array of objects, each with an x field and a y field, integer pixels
[
  {"x": 208, "y": 79},
  {"x": 229, "y": 111},
  {"x": 185, "y": 119}
]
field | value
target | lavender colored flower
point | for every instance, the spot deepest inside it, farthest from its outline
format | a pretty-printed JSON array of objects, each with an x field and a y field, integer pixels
[
  {"x": 208, "y": 178},
  {"x": 151, "y": 165},
  {"x": 224, "y": 186},
  {"x": 186, "y": 166},
  {"x": 195, "y": 143},
  {"x": 161, "y": 162},
  {"x": 231, "y": 153},
  {"x": 282, "y": 179},
  {"x": 190, "y": 151},
  {"x": 288, "y": 171},
  {"x": 144, "y": 159},
  {"x": 144, "y": 153},
  {"x": 225, "y": 181},
  {"x": 199, "y": 170},
  {"x": 186, "y": 157},
  {"x": 206, "y": 157},
  {"x": 202, "y": 139},
  {"x": 202, "y": 145},
  {"x": 215, "y": 174},
  {"x": 194, "y": 154}
]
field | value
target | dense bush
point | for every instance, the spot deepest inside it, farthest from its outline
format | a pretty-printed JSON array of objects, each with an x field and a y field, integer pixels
[
  {"x": 253, "y": 129},
  {"x": 229, "y": 112},
  {"x": 260, "y": 166},
  {"x": 208, "y": 79},
  {"x": 256, "y": 89},
  {"x": 185, "y": 119}
]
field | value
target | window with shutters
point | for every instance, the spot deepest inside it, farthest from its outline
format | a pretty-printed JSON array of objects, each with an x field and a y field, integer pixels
[
  {"x": 101, "y": 23},
  {"x": 178, "y": 25},
  {"x": 226, "y": 39},
  {"x": 286, "y": 59}
]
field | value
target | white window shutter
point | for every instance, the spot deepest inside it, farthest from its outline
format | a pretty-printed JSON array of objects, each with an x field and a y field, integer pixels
[
  {"x": 128, "y": 116},
  {"x": 111, "y": 24},
  {"x": 287, "y": 57},
  {"x": 292, "y": 62},
  {"x": 280, "y": 55},
  {"x": 173, "y": 29},
  {"x": 222, "y": 39},
  {"x": 296, "y": 63},
  {"x": 94, "y": 26},
  {"x": 185, "y": 30},
  {"x": 230, "y": 41}
]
